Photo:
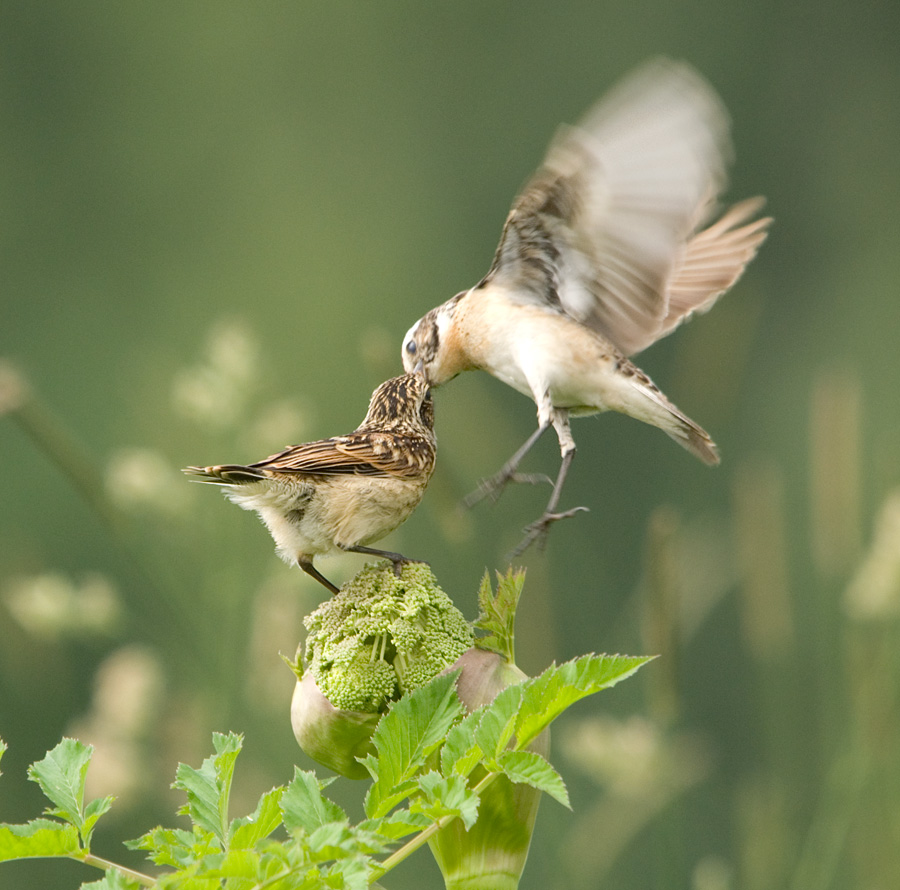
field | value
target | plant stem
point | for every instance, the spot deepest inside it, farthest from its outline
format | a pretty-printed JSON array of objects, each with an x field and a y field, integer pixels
[
  {"x": 423, "y": 836},
  {"x": 105, "y": 864}
]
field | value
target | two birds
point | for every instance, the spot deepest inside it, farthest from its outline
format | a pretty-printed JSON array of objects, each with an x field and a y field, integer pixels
[{"x": 608, "y": 248}]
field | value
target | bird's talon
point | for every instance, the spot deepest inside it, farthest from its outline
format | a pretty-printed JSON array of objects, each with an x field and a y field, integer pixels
[
  {"x": 493, "y": 486},
  {"x": 539, "y": 530},
  {"x": 400, "y": 563},
  {"x": 531, "y": 478}
]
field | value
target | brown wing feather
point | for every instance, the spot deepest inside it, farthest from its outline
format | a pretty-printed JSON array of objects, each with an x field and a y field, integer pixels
[
  {"x": 606, "y": 230},
  {"x": 367, "y": 454},
  {"x": 714, "y": 260},
  {"x": 324, "y": 457},
  {"x": 393, "y": 455}
]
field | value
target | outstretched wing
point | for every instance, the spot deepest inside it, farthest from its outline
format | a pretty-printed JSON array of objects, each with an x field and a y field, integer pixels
[{"x": 604, "y": 232}]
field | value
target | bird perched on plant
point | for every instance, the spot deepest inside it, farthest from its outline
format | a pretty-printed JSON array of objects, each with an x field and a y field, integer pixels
[
  {"x": 604, "y": 252},
  {"x": 343, "y": 493}
]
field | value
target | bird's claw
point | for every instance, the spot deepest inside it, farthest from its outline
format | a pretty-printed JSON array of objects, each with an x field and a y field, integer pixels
[
  {"x": 493, "y": 486},
  {"x": 405, "y": 561},
  {"x": 538, "y": 530}
]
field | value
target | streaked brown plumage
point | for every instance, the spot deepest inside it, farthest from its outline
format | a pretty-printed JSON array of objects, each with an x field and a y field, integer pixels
[
  {"x": 343, "y": 493},
  {"x": 603, "y": 253}
]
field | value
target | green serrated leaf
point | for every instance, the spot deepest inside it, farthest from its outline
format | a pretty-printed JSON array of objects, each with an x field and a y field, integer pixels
[
  {"x": 233, "y": 865},
  {"x": 349, "y": 874},
  {"x": 398, "y": 825},
  {"x": 113, "y": 880},
  {"x": 208, "y": 788},
  {"x": 92, "y": 812},
  {"x": 548, "y": 695},
  {"x": 330, "y": 841},
  {"x": 304, "y": 806},
  {"x": 497, "y": 612},
  {"x": 175, "y": 846},
  {"x": 414, "y": 727},
  {"x": 450, "y": 796},
  {"x": 340, "y": 841},
  {"x": 38, "y": 838},
  {"x": 61, "y": 776},
  {"x": 248, "y": 831},
  {"x": 460, "y": 753},
  {"x": 527, "y": 767},
  {"x": 498, "y": 722}
]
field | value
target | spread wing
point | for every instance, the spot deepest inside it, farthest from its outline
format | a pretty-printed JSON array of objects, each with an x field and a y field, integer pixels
[
  {"x": 605, "y": 231},
  {"x": 367, "y": 454}
]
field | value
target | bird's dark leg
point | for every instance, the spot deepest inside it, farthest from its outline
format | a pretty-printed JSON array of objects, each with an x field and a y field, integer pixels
[
  {"x": 398, "y": 559},
  {"x": 313, "y": 572},
  {"x": 493, "y": 486},
  {"x": 538, "y": 530}
]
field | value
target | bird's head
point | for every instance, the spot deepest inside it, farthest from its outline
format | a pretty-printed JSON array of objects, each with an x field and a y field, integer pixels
[
  {"x": 402, "y": 404},
  {"x": 432, "y": 346}
]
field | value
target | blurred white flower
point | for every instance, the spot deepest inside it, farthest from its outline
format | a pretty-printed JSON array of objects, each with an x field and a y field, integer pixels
[
  {"x": 277, "y": 425},
  {"x": 12, "y": 388},
  {"x": 874, "y": 591},
  {"x": 233, "y": 351},
  {"x": 712, "y": 873},
  {"x": 127, "y": 699},
  {"x": 199, "y": 396},
  {"x": 52, "y": 606},
  {"x": 634, "y": 758},
  {"x": 641, "y": 769},
  {"x": 277, "y": 620},
  {"x": 142, "y": 477},
  {"x": 624, "y": 755},
  {"x": 216, "y": 389}
]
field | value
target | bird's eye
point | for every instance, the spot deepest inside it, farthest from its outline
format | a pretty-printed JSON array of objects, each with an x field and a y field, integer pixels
[{"x": 411, "y": 347}]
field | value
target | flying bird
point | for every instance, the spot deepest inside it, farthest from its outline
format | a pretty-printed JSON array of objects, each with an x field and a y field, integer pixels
[
  {"x": 609, "y": 247},
  {"x": 344, "y": 493}
]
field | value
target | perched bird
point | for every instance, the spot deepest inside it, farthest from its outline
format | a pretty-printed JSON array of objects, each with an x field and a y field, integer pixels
[
  {"x": 342, "y": 493},
  {"x": 607, "y": 249}
]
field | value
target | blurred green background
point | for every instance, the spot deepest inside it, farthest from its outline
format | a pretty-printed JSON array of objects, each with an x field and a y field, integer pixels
[{"x": 217, "y": 220}]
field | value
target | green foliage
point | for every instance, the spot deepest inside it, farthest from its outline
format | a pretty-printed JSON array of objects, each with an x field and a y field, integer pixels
[
  {"x": 208, "y": 788},
  {"x": 497, "y": 612},
  {"x": 423, "y": 773},
  {"x": 61, "y": 775},
  {"x": 39, "y": 838},
  {"x": 404, "y": 739}
]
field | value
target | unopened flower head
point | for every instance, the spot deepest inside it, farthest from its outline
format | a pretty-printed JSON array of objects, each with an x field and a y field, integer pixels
[
  {"x": 383, "y": 636},
  {"x": 378, "y": 638}
]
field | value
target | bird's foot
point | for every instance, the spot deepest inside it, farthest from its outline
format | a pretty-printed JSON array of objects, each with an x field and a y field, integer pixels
[
  {"x": 401, "y": 561},
  {"x": 537, "y": 532},
  {"x": 397, "y": 559},
  {"x": 493, "y": 486}
]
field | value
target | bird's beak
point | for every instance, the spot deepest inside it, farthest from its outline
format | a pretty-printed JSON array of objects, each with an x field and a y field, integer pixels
[{"x": 420, "y": 369}]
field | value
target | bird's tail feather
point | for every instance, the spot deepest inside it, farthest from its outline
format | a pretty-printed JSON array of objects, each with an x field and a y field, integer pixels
[
  {"x": 225, "y": 474},
  {"x": 694, "y": 438},
  {"x": 660, "y": 412}
]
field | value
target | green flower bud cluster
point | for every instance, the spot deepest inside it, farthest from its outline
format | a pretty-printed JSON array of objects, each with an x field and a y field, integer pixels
[{"x": 382, "y": 636}]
